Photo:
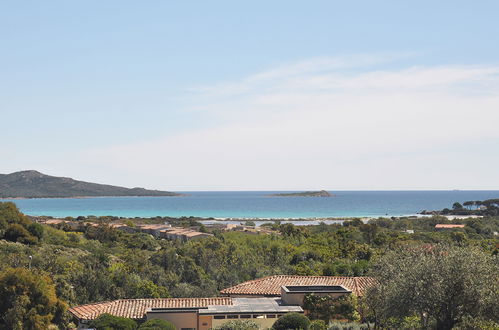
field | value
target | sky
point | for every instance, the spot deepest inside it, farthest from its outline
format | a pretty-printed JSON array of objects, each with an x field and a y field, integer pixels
[{"x": 254, "y": 95}]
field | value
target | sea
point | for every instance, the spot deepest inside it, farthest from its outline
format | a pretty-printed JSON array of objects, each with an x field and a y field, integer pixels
[{"x": 229, "y": 205}]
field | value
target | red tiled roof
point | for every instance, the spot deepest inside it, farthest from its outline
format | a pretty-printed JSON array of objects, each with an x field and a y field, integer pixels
[
  {"x": 136, "y": 308},
  {"x": 271, "y": 285},
  {"x": 441, "y": 225}
]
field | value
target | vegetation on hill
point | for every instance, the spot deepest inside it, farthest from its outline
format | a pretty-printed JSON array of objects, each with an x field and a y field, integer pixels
[
  {"x": 321, "y": 193},
  {"x": 92, "y": 264},
  {"x": 489, "y": 207},
  {"x": 33, "y": 184}
]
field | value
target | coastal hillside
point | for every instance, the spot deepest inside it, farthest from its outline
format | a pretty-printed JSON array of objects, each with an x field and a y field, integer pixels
[{"x": 33, "y": 184}]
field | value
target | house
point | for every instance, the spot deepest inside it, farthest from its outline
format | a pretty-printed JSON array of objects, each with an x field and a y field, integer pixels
[
  {"x": 153, "y": 229},
  {"x": 263, "y": 300},
  {"x": 183, "y": 234},
  {"x": 189, "y": 313},
  {"x": 271, "y": 286}
]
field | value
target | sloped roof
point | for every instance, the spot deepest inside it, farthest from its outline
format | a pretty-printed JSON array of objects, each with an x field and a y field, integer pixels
[
  {"x": 136, "y": 308},
  {"x": 271, "y": 285}
]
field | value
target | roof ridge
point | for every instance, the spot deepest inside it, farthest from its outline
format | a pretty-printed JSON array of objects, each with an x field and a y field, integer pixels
[{"x": 96, "y": 303}]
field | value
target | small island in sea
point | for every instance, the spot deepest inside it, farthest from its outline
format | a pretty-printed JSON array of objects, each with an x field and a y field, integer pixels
[
  {"x": 320, "y": 193},
  {"x": 33, "y": 184}
]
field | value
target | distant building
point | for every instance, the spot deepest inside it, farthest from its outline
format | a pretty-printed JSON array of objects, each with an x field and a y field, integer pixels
[
  {"x": 183, "y": 234},
  {"x": 442, "y": 226},
  {"x": 153, "y": 229}
]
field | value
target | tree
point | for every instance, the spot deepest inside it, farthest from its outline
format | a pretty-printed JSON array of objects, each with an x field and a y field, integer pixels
[
  {"x": 36, "y": 230},
  {"x": 157, "y": 324},
  {"x": 440, "y": 285},
  {"x": 28, "y": 300},
  {"x": 292, "y": 321},
  {"x": 457, "y": 206},
  {"x": 110, "y": 322},
  {"x": 327, "y": 308},
  {"x": 469, "y": 204},
  {"x": 239, "y": 325}
]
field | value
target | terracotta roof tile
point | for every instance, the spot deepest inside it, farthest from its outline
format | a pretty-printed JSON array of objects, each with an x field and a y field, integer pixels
[
  {"x": 136, "y": 308},
  {"x": 271, "y": 286}
]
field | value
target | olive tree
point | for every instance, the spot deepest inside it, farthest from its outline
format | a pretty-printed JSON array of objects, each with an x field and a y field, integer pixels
[{"x": 439, "y": 285}]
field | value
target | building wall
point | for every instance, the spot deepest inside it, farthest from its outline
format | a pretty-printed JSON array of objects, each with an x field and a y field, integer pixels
[{"x": 205, "y": 322}]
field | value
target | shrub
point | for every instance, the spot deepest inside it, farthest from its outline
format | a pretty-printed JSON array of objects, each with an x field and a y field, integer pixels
[
  {"x": 317, "y": 325},
  {"x": 347, "y": 326},
  {"x": 292, "y": 321},
  {"x": 36, "y": 230},
  {"x": 157, "y": 324},
  {"x": 17, "y": 233},
  {"x": 239, "y": 325},
  {"x": 107, "y": 322}
]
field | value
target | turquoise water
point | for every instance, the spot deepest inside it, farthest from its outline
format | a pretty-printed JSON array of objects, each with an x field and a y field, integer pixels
[{"x": 255, "y": 204}]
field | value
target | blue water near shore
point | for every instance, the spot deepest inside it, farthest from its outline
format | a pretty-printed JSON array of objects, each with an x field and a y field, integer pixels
[{"x": 255, "y": 204}]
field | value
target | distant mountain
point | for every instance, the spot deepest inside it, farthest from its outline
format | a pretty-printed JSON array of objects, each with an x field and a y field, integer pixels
[
  {"x": 321, "y": 193},
  {"x": 33, "y": 184}
]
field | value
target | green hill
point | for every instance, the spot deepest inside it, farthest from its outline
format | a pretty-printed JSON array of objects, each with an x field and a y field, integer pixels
[{"x": 33, "y": 184}]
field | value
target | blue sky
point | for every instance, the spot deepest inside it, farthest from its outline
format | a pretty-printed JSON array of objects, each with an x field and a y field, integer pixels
[{"x": 257, "y": 95}]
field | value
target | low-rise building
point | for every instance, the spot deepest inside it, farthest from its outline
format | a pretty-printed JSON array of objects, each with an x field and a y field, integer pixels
[
  {"x": 263, "y": 301},
  {"x": 189, "y": 313},
  {"x": 183, "y": 234},
  {"x": 442, "y": 226}
]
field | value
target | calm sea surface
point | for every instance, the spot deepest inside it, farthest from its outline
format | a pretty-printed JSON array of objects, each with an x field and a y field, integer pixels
[{"x": 255, "y": 204}]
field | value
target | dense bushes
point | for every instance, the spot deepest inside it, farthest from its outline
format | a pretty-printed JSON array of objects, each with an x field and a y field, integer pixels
[
  {"x": 292, "y": 321},
  {"x": 239, "y": 325},
  {"x": 16, "y": 227},
  {"x": 157, "y": 324},
  {"x": 108, "y": 322},
  {"x": 28, "y": 301}
]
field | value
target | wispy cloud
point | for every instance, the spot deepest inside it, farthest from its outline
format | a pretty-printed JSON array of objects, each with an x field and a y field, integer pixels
[{"x": 337, "y": 123}]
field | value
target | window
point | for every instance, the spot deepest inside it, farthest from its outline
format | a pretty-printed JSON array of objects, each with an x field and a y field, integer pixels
[
  {"x": 205, "y": 323},
  {"x": 271, "y": 316},
  {"x": 219, "y": 317},
  {"x": 245, "y": 316},
  {"x": 279, "y": 315},
  {"x": 258, "y": 316},
  {"x": 232, "y": 316},
  {"x": 187, "y": 328}
]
